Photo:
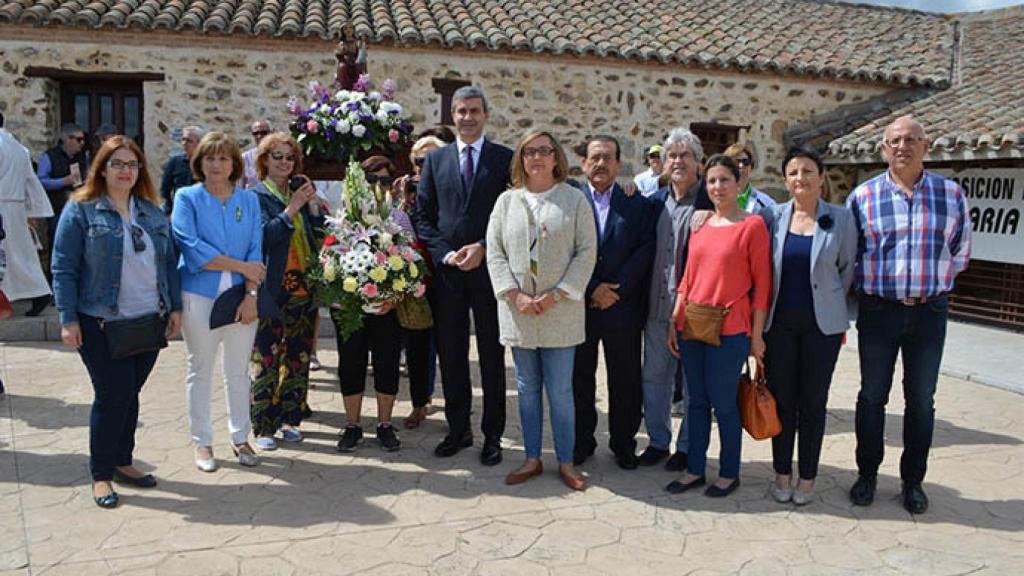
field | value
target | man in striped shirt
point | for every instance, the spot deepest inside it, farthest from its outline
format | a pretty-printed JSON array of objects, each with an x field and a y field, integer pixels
[{"x": 915, "y": 237}]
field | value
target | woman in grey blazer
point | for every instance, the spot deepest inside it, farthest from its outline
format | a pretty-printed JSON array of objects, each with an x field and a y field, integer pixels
[
  {"x": 814, "y": 245},
  {"x": 541, "y": 250}
]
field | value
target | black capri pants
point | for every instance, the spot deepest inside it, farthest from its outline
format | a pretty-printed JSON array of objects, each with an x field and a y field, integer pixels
[{"x": 383, "y": 336}]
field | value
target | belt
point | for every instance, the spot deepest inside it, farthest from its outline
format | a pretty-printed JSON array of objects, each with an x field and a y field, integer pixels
[{"x": 909, "y": 301}]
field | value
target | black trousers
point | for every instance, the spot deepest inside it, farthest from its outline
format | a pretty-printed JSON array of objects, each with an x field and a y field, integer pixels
[
  {"x": 625, "y": 399},
  {"x": 799, "y": 362},
  {"x": 418, "y": 357},
  {"x": 115, "y": 407},
  {"x": 453, "y": 295},
  {"x": 382, "y": 335}
]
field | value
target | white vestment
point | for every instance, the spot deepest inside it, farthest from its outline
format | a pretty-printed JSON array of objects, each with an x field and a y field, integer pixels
[{"x": 21, "y": 197}]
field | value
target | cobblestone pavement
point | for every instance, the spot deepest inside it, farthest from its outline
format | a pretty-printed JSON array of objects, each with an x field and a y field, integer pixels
[{"x": 309, "y": 510}]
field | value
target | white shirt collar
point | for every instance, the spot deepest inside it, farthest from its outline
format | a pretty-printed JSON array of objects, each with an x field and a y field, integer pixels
[{"x": 475, "y": 145}]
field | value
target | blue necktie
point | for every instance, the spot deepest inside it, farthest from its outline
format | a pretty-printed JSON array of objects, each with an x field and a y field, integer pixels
[{"x": 467, "y": 169}]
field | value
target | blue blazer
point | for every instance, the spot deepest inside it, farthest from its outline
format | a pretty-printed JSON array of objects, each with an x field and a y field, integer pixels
[
  {"x": 833, "y": 253},
  {"x": 446, "y": 216},
  {"x": 624, "y": 256}
]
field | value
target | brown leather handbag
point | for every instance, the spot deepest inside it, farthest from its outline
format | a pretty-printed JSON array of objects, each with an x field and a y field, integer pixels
[
  {"x": 703, "y": 322},
  {"x": 757, "y": 405}
]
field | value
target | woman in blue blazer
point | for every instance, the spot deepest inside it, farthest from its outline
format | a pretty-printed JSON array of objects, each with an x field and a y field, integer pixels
[{"x": 814, "y": 245}]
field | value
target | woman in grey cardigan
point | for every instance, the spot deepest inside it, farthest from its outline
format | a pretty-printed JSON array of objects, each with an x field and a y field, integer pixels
[{"x": 541, "y": 250}]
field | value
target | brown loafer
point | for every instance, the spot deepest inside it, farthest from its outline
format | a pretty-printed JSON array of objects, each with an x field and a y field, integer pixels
[
  {"x": 574, "y": 480},
  {"x": 522, "y": 474},
  {"x": 416, "y": 417}
]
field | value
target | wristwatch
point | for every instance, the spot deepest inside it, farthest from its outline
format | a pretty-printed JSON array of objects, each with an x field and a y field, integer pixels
[{"x": 252, "y": 293}]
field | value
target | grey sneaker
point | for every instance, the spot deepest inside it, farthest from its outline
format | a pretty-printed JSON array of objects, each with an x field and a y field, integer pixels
[
  {"x": 350, "y": 438},
  {"x": 387, "y": 438}
]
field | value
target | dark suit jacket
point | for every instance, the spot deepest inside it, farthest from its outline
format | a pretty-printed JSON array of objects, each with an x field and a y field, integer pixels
[
  {"x": 448, "y": 217},
  {"x": 624, "y": 256}
]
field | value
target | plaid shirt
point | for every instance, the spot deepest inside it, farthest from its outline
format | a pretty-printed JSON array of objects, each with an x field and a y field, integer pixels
[{"x": 910, "y": 247}]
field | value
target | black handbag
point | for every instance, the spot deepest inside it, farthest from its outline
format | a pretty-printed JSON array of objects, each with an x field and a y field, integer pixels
[
  {"x": 226, "y": 305},
  {"x": 126, "y": 338}
]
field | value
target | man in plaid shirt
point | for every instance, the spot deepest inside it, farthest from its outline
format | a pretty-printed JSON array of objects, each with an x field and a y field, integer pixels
[{"x": 915, "y": 237}]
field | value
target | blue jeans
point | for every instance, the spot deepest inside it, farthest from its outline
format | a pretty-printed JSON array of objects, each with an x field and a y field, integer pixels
[
  {"x": 550, "y": 369},
  {"x": 115, "y": 407},
  {"x": 885, "y": 328},
  {"x": 661, "y": 373},
  {"x": 712, "y": 374}
]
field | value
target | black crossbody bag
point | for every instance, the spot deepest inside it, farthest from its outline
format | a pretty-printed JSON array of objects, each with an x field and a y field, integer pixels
[{"x": 126, "y": 338}]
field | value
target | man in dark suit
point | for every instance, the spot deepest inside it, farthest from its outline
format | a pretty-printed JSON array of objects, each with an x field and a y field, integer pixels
[
  {"x": 616, "y": 306},
  {"x": 458, "y": 187}
]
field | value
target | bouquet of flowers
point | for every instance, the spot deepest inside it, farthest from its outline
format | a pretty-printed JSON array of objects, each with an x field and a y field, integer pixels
[
  {"x": 336, "y": 126},
  {"x": 367, "y": 259}
]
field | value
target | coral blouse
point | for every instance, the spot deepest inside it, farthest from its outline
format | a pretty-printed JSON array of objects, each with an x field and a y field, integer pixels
[{"x": 729, "y": 266}]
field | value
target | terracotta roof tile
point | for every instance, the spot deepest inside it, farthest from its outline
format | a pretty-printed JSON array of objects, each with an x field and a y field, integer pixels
[
  {"x": 982, "y": 111},
  {"x": 814, "y": 37}
]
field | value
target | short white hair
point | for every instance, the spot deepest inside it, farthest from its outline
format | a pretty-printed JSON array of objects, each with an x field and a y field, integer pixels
[{"x": 683, "y": 136}]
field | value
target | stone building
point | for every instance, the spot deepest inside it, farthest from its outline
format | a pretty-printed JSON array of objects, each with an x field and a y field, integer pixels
[
  {"x": 731, "y": 69},
  {"x": 976, "y": 128}
]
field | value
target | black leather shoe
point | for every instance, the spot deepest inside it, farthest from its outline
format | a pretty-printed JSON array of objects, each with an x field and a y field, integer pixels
[
  {"x": 914, "y": 498},
  {"x": 716, "y": 492},
  {"x": 862, "y": 493},
  {"x": 626, "y": 460},
  {"x": 107, "y": 500},
  {"x": 451, "y": 446},
  {"x": 491, "y": 454},
  {"x": 677, "y": 487},
  {"x": 651, "y": 456},
  {"x": 147, "y": 481},
  {"x": 580, "y": 456},
  {"x": 676, "y": 462}
]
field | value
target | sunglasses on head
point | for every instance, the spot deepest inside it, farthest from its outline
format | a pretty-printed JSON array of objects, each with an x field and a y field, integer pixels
[
  {"x": 138, "y": 242},
  {"x": 384, "y": 180}
]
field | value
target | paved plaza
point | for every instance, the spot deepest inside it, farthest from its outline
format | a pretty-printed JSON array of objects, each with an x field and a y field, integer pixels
[{"x": 309, "y": 510}]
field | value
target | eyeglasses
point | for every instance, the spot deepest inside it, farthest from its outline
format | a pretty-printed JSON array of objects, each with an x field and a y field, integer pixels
[
  {"x": 744, "y": 162},
  {"x": 540, "y": 152},
  {"x": 279, "y": 156},
  {"x": 138, "y": 242},
  {"x": 901, "y": 140},
  {"x": 383, "y": 180},
  {"x": 419, "y": 162},
  {"x": 261, "y": 133},
  {"x": 121, "y": 165},
  {"x": 189, "y": 140}
]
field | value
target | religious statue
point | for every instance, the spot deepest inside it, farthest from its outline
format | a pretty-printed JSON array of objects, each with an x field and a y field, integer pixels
[{"x": 351, "y": 56}]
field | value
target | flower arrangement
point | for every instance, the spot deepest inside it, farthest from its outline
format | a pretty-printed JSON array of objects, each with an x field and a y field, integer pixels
[
  {"x": 367, "y": 259},
  {"x": 336, "y": 126}
]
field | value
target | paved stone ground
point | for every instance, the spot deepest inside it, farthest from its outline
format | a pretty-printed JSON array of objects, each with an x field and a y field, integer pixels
[{"x": 310, "y": 510}]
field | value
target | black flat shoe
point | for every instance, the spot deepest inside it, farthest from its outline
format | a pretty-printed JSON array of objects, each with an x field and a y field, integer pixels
[
  {"x": 714, "y": 491},
  {"x": 914, "y": 499},
  {"x": 677, "y": 487},
  {"x": 107, "y": 500},
  {"x": 491, "y": 453},
  {"x": 147, "y": 481}
]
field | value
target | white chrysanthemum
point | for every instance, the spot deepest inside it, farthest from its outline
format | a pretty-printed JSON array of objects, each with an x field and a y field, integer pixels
[{"x": 358, "y": 130}]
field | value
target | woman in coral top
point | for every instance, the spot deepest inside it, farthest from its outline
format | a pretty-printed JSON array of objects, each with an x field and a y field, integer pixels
[{"x": 728, "y": 265}]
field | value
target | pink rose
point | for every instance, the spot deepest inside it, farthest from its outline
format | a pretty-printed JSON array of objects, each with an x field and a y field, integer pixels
[
  {"x": 393, "y": 135},
  {"x": 370, "y": 290},
  {"x": 312, "y": 126},
  {"x": 381, "y": 258},
  {"x": 393, "y": 250},
  {"x": 420, "y": 290}
]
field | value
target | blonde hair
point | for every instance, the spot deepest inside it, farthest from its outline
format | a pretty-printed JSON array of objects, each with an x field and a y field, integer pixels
[
  {"x": 518, "y": 173},
  {"x": 425, "y": 142},
  {"x": 218, "y": 143},
  {"x": 269, "y": 142},
  {"x": 96, "y": 184}
]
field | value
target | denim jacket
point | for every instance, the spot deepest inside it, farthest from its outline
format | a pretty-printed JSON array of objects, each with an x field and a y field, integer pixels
[{"x": 87, "y": 252}]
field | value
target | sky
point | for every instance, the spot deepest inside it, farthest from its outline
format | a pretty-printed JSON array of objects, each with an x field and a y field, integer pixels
[{"x": 944, "y": 5}]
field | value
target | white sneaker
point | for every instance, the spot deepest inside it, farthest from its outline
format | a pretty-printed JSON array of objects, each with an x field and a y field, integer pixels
[{"x": 266, "y": 443}]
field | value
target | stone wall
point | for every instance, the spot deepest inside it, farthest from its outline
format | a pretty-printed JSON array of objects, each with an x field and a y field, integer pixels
[{"x": 225, "y": 83}]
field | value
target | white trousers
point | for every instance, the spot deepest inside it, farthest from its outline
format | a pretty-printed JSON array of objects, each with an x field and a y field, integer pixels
[{"x": 202, "y": 344}]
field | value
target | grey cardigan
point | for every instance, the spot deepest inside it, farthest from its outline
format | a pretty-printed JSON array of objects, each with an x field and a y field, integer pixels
[
  {"x": 833, "y": 252},
  {"x": 567, "y": 253}
]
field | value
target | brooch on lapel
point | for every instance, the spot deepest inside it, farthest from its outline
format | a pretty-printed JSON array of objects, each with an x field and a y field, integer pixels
[
  {"x": 825, "y": 222},
  {"x": 238, "y": 214}
]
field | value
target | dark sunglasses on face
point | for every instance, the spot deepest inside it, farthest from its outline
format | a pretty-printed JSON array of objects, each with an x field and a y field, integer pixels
[
  {"x": 383, "y": 180},
  {"x": 260, "y": 133},
  {"x": 138, "y": 242},
  {"x": 743, "y": 162},
  {"x": 278, "y": 156}
]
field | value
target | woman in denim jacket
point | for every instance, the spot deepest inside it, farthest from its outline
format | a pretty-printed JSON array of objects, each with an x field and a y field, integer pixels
[{"x": 113, "y": 234}]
